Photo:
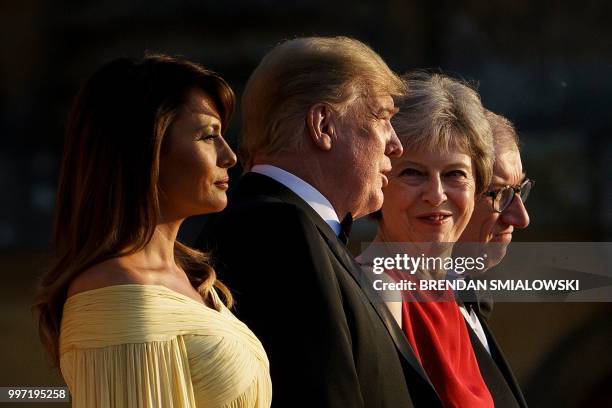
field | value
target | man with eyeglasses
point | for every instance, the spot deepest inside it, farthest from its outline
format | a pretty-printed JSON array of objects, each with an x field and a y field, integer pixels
[
  {"x": 497, "y": 213},
  {"x": 501, "y": 210}
]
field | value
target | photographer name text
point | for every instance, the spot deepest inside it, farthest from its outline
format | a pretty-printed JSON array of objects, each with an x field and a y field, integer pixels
[{"x": 484, "y": 285}]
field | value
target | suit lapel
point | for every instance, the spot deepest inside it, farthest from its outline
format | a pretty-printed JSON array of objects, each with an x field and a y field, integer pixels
[
  {"x": 495, "y": 363},
  {"x": 375, "y": 300},
  {"x": 254, "y": 184},
  {"x": 501, "y": 363}
]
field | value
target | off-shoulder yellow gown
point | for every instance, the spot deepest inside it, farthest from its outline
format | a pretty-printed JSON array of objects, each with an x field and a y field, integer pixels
[{"x": 148, "y": 346}]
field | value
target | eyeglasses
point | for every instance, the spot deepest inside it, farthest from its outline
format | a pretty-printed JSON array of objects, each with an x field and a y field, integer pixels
[{"x": 503, "y": 197}]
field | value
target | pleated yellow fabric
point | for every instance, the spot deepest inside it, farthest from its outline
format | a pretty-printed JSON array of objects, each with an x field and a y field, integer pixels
[{"x": 148, "y": 346}]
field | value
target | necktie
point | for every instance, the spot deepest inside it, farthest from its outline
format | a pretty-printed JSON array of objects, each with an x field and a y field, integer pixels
[{"x": 345, "y": 228}]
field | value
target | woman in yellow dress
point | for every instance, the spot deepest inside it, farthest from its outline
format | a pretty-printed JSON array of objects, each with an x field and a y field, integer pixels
[{"x": 132, "y": 317}]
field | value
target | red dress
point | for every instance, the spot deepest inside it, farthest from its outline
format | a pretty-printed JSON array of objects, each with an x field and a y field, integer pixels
[{"x": 438, "y": 334}]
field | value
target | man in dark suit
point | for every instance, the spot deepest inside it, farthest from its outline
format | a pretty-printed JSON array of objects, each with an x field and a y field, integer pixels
[
  {"x": 496, "y": 214},
  {"x": 317, "y": 142}
]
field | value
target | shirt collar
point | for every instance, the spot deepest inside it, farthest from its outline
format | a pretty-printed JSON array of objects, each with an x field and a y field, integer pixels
[{"x": 305, "y": 191}]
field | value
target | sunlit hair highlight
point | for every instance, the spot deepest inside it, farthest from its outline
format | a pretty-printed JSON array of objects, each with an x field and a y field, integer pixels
[
  {"x": 505, "y": 136},
  {"x": 440, "y": 113},
  {"x": 338, "y": 71}
]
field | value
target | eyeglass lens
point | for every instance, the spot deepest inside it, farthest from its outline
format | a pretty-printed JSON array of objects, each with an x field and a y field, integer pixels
[{"x": 506, "y": 195}]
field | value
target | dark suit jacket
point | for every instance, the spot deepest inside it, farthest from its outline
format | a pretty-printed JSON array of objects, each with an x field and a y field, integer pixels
[
  {"x": 330, "y": 341},
  {"x": 494, "y": 368}
]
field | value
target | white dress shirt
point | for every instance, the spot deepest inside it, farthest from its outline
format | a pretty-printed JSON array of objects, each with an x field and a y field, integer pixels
[
  {"x": 470, "y": 317},
  {"x": 305, "y": 191},
  {"x": 474, "y": 323}
]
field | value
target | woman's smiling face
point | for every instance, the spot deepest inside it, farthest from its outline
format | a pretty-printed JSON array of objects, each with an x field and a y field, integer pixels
[{"x": 430, "y": 197}]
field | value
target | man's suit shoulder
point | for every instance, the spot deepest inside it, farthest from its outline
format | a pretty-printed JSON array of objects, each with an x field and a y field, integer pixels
[{"x": 272, "y": 213}]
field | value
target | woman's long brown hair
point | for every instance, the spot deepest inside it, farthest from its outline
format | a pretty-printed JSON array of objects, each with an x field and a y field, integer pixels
[{"x": 107, "y": 199}]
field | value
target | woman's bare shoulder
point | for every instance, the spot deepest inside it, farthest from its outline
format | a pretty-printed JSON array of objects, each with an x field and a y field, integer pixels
[{"x": 108, "y": 273}]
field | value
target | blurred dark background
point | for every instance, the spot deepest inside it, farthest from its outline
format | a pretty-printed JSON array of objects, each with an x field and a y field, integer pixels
[{"x": 546, "y": 65}]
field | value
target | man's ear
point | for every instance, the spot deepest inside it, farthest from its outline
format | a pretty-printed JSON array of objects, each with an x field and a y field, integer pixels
[{"x": 320, "y": 126}]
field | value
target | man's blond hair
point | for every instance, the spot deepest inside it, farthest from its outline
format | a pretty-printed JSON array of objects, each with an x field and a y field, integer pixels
[{"x": 295, "y": 75}]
